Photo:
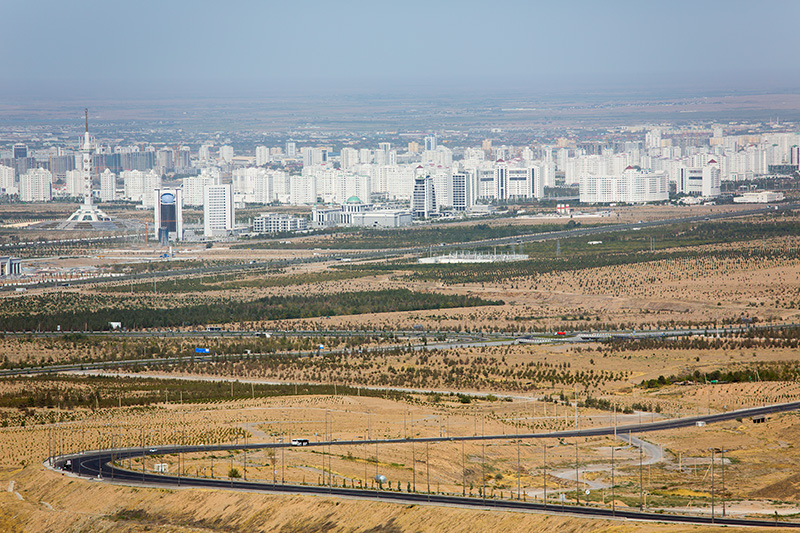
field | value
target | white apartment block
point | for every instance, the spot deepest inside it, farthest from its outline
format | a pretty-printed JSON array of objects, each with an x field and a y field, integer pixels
[
  {"x": 74, "y": 183},
  {"x": 218, "y": 212},
  {"x": 278, "y": 223},
  {"x": 139, "y": 185},
  {"x": 262, "y": 156},
  {"x": 7, "y": 183},
  {"x": 36, "y": 185},
  {"x": 702, "y": 181},
  {"x": 194, "y": 188},
  {"x": 253, "y": 184},
  {"x": 423, "y": 204},
  {"x": 632, "y": 186},
  {"x": 108, "y": 186},
  {"x": 226, "y": 153}
]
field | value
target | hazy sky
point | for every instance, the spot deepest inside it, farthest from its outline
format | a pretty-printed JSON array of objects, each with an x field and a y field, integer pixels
[{"x": 146, "y": 48}]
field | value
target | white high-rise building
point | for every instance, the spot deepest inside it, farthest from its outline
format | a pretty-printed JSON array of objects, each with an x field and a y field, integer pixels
[
  {"x": 711, "y": 180},
  {"x": 194, "y": 187},
  {"x": 253, "y": 184},
  {"x": 218, "y": 212},
  {"x": 281, "y": 187},
  {"x": 139, "y": 185},
  {"x": 226, "y": 153},
  {"x": 423, "y": 204},
  {"x": 262, "y": 156},
  {"x": 349, "y": 158},
  {"x": 7, "y": 183},
  {"x": 303, "y": 189},
  {"x": 653, "y": 138},
  {"x": 520, "y": 182},
  {"x": 313, "y": 156},
  {"x": 36, "y": 185},
  {"x": 463, "y": 199},
  {"x": 108, "y": 186},
  {"x": 204, "y": 153},
  {"x": 291, "y": 149},
  {"x": 74, "y": 183}
]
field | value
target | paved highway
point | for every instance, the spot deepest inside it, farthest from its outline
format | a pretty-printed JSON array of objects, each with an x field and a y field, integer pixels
[
  {"x": 458, "y": 340},
  {"x": 96, "y": 465}
]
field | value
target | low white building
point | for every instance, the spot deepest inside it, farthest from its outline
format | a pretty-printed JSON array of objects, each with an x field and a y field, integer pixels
[
  {"x": 383, "y": 218},
  {"x": 278, "y": 223},
  {"x": 357, "y": 214},
  {"x": 759, "y": 197}
]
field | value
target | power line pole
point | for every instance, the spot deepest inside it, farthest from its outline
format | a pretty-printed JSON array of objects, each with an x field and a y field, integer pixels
[
  {"x": 519, "y": 475},
  {"x": 483, "y": 470},
  {"x": 613, "y": 447},
  {"x": 577, "y": 478},
  {"x": 641, "y": 486},
  {"x": 544, "y": 472},
  {"x": 428, "y": 466},
  {"x": 463, "y": 471},
  {"x": 712, "y": 485},
  {"x": 723, "y": 482}
]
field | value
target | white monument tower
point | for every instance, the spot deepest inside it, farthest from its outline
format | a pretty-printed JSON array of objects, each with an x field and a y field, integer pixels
[{"x": 87, "y": 212}]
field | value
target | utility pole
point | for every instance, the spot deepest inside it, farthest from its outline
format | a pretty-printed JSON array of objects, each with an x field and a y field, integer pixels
[
  {"x": 519, "y": 475},
  {"x": 712, "y": 485},
  {"x": 576, "y": 406},
  {"x": 428, "y": 466},
  {"x": 723, "y": 482},
  {"x": 142, "y": 453},
  {"x": 413, "y": 468},
  {"x": 463, "y": 471},
  {"x": 641, "y": 486},
  {"x": 483, "y": 470},
  {"x": 613, "y": 447},
  {"x": 577, "y": 478},
  {"x": 544, "y": 472}
]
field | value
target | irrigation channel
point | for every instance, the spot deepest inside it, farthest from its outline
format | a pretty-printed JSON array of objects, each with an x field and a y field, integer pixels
[{"x": 101, "y": 465}]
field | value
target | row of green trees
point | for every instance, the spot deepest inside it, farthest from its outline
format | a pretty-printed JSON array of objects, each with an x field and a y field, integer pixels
[{"x": 262, "y": 309}]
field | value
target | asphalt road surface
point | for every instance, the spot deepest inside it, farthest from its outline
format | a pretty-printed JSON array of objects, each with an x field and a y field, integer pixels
[{"x": 96, "y": 465}]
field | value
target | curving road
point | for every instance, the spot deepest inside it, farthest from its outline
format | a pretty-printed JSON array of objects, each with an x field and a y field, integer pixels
[{"x": 96, "y": 465}]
